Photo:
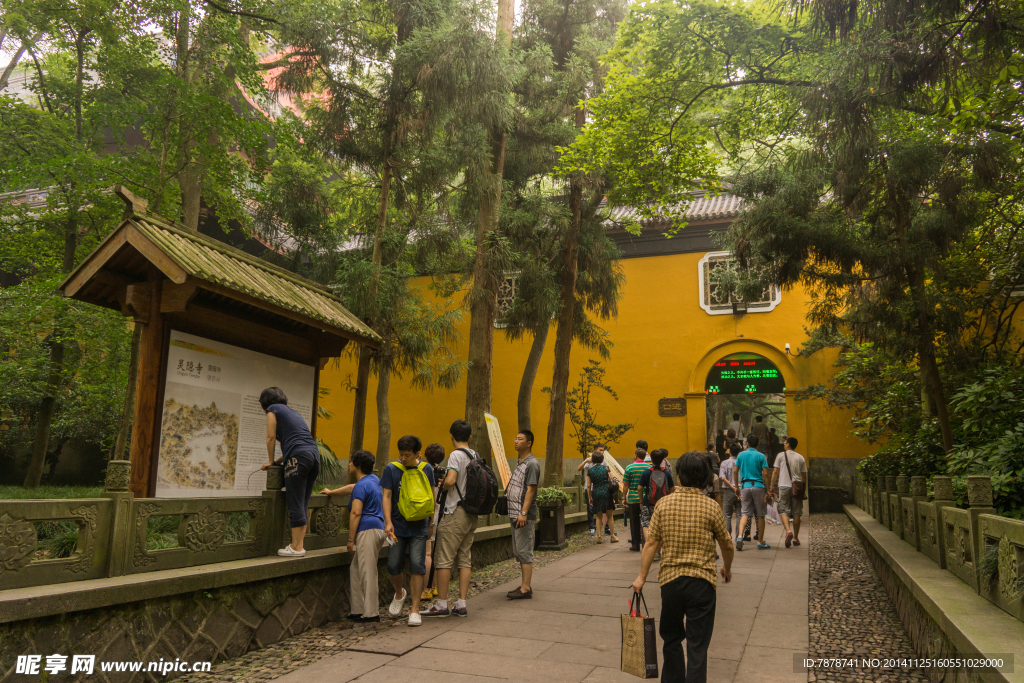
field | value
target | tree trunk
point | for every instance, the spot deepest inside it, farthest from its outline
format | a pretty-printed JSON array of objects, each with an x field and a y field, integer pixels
[
  {"x": 383, "y": 419},
  {"x": 525, "y": 401},
  {"x": 484, "y": 295},
  {"x": 13, "y": 64},
  {"x": 365, "y": 352},
  {"x": 362, "y": 389},
  {"x": 44, "y": 418},
  {"x": 117, "y": 452},
  {"x": 553, "y": 474},
  {"x": 191, "y": 193},
  {"x": 931, "y": 380}
]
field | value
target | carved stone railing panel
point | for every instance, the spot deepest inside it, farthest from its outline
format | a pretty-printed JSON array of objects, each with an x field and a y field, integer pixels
[
  {"x": 958, "y": 539},
  {"x": 19, "y": 564},
  {"x": 1004, "y": 538},
  {"x": 202, "y": 532}
]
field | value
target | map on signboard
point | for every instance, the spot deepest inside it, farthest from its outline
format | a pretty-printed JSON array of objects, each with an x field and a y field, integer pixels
[
  {"x": 199, "y": 438},
  {"x": 213, "y": 429}
]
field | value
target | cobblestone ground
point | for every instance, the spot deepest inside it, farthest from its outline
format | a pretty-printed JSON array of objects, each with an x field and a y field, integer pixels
[
  {"x": 850, "y": 613},
  {"x": 334, "y": 637}
]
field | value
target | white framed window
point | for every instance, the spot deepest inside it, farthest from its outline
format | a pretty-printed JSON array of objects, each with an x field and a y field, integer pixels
[
  {"x": 716, "y": 272},
  {"x": 506, "y": 295}
]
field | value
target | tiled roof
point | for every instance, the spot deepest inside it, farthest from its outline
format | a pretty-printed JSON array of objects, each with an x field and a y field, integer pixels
[
  {"x": 212, "y": 261},
  {"x": 208, "y": 260},
  {"x": 703, "y": 207}
]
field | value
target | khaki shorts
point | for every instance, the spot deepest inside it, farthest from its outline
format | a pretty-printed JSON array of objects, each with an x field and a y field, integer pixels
[
  {"x": 455, "y": 540},
  {"x": 788, "y": 505}
]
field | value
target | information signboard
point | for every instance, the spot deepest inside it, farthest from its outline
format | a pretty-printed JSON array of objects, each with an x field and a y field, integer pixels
[{"x": 213, "y": 429}]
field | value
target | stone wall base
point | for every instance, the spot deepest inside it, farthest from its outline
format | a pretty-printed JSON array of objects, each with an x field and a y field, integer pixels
[
  {"x": 206, "y": 625},
  {"x": 928, "y": 638}
]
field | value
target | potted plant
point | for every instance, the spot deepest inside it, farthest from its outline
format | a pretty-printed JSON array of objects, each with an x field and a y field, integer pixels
[{"x": 551, "y": 527}]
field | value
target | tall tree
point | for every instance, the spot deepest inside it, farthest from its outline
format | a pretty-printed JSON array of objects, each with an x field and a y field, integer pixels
[
  {"x": 867, "y": 138},
  {"x": 389, "y": 88},
  {"x": 484, "y": 293}
]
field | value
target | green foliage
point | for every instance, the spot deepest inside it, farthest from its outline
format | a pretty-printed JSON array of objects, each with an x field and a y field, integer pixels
[
  {"x": 988, "y": 419},
  {"x": 550, "y": 495},
  {"x": 583, "y": 414},
  {"x": 97, "y": 345},
  {"x": 991, "y": 434}
]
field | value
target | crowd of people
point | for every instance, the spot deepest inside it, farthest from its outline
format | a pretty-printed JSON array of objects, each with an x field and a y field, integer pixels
[{"x": 427, "y": 514}]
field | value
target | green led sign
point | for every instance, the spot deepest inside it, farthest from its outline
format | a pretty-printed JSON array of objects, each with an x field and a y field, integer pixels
[{"x": 744, "y": 373}]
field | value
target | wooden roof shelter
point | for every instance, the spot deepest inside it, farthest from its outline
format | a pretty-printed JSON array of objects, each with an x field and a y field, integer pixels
[{"x": 168, "y": 277}]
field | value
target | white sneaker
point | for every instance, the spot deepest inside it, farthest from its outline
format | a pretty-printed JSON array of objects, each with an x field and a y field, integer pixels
[
  {"x": 396, "y": 605},
  {"x": 415, "y": 619},
  {"x": 288, "y": 552}
]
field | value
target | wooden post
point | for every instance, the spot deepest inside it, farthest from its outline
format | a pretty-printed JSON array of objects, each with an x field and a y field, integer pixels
[{"x": 144, "y": 434}]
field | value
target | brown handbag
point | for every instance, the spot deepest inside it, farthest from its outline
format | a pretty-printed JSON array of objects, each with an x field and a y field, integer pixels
[{"x": 799, "y": 488}]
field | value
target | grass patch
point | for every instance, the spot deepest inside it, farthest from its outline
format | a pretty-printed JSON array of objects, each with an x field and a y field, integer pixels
[
  {"x": 49, "y": 492},
  {"x": 162, "y": 532},
  {"x": 238, "y": 526}
]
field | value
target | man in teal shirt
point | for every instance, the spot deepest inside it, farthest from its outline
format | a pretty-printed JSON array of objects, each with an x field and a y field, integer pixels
[{"x": 750, "y": 474}]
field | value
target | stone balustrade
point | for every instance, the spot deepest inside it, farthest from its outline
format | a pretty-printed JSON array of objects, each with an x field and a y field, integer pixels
[
  {"x": 980, "y": 547},
  {"x": 112, "y": 530}
]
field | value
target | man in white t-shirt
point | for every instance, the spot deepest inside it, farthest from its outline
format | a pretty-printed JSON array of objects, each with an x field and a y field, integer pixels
[
  {"x": 790, "y": 466},
  {"x": 454, "y": 539},
  {"x": 737, "y": 426}
]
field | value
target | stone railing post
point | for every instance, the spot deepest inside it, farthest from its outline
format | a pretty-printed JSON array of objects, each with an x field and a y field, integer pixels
[
  {"x": 898, "y": 512},
  {"x": 979, "y": 497},
  {"x": 912, "y": 522},
  {"x": 115, "y": 487},
  {"x": 891, "y": 502},
  {"x": 879, "y": 502},
  {"x": 275, "y": 511},
  {"x": 942, "y": 496}
]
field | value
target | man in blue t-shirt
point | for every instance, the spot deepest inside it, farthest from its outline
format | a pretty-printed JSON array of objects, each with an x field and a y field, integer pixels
[
  {"x": 365, "y": 536},
  {"x": 409, "y": 536},
  {"x": 750, "y": 474}
]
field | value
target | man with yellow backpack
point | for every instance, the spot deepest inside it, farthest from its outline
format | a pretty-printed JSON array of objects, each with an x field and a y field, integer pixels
[{"x": 408, "y": 487}]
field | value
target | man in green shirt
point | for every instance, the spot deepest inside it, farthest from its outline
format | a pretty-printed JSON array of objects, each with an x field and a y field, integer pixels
[{"x": 631, "y": 491}]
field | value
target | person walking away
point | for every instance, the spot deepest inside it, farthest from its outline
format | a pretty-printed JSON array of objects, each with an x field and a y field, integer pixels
[
  {"x": 408, "y": 490},
  {"x": 714, "y": 489},
  {"x": 721, "y": 445},
  {"x": 522, "y": 511},
  {"x": 764, "y": 440},
  {"x": 599, "y": 494},
  {"x": 655, "y": 484},
  {"x": 631, "y": 494},
  {"x": 750, "y": 475},
  {"x": 790, "y": 466},
  {"x": 730, "y": 492},
  {"x": 584, "y": 467},
  {"x": 456, "y": 527},
  {"x": 301, "y": 459},
  {"x": 685, "y": 527},
  {"x": 736, "y": 426},
  {"x": 434, "y": 453},
  {"x": 365, "y": 537},
  {"x": 776, "y": 443}
]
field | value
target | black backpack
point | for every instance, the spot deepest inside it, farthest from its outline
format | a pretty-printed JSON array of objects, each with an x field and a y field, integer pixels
[{"x": 481, "y": 486}]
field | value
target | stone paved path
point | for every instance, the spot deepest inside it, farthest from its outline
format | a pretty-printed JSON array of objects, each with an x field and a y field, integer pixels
[
  {"x": 570, "y": 631},
  {"x": 288, "y": 655},
  {"x": 851, "y": 615}
]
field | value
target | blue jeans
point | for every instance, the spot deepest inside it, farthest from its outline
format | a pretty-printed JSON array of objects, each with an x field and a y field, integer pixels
[{"x": 417, "y": 548}]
